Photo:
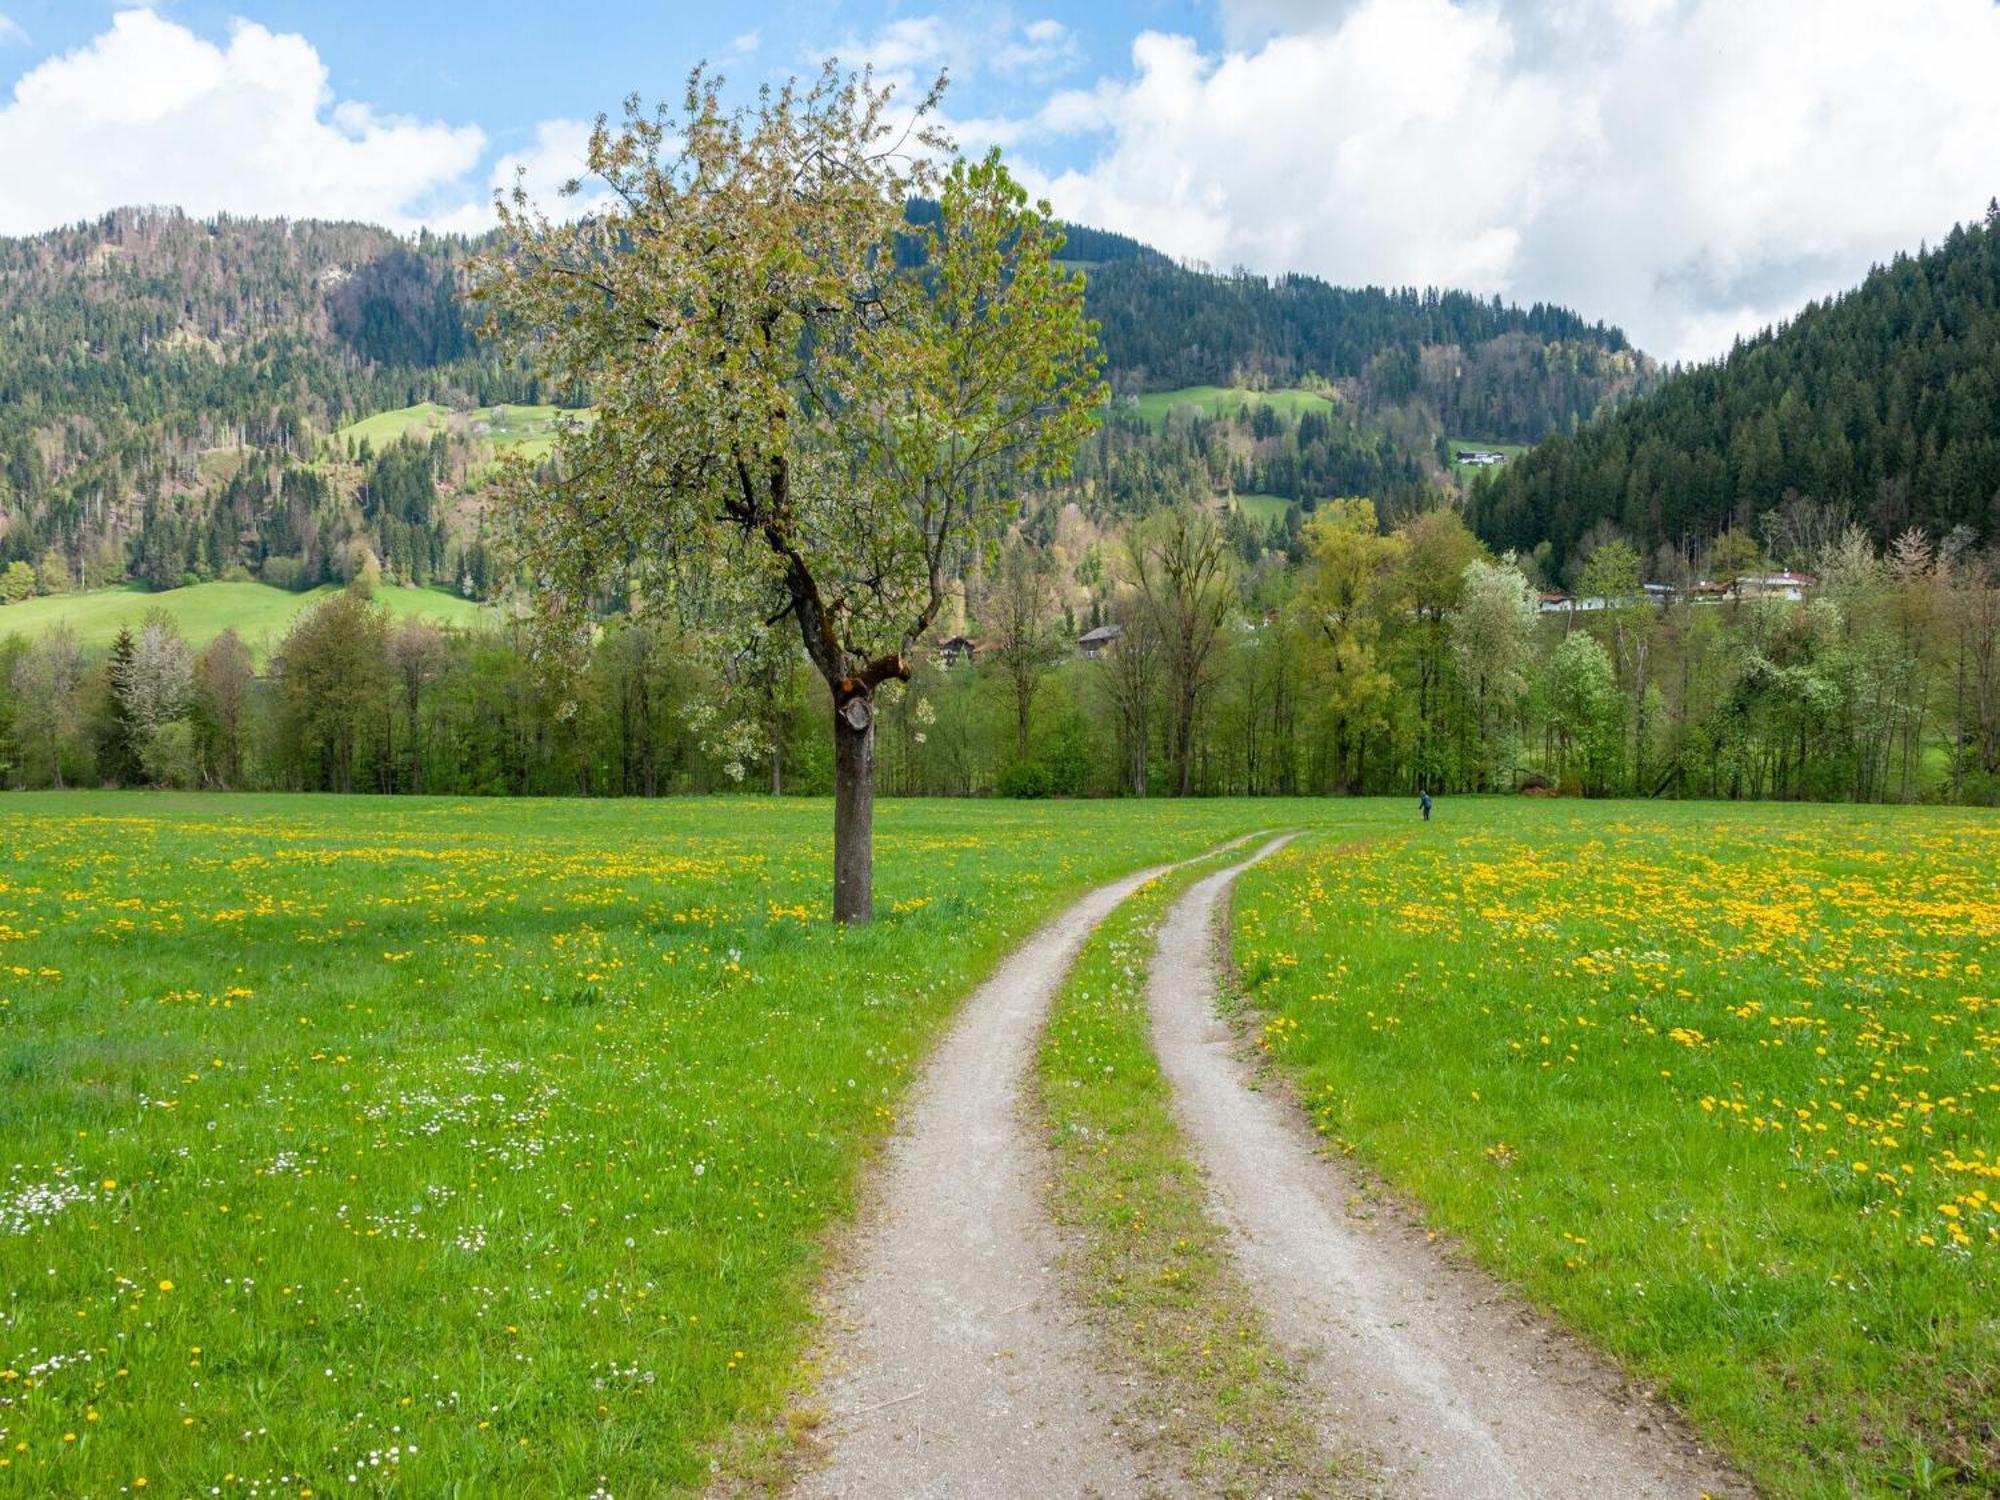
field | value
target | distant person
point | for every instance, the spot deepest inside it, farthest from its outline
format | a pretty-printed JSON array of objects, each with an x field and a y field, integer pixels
[{"x": 1424, "y": 802}]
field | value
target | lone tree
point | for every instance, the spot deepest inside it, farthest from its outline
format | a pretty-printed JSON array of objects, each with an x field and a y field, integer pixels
[{"x": 821, "y": 365}]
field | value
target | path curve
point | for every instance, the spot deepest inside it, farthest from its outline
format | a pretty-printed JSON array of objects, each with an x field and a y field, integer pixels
[
  {"x": 959, "y": 1368},
  {"x": 1459, "y": 1389}
]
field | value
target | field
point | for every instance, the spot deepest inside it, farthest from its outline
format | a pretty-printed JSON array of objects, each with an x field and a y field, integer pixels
[
  {"x": 362, "y": 1145},
  {"x": 1263, "y": 509},
  {"x": 1720, "y": 1086},
  {"x": 358, "y": 1145},
  {"x": 1213, "y": 400},
  {"x": 528, "y": 430},
  {"x": 260, "y": 613}
]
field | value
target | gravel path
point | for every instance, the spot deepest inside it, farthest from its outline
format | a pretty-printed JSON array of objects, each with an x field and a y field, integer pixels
[
  {"x": 1460, "y": 1391},
  {"x": 958, "y": 1368}
]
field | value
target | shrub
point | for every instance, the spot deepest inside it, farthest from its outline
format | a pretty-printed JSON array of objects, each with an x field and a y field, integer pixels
[
  {"x": 1025, "y": 778},
  {"x": 169, "y": 755}
]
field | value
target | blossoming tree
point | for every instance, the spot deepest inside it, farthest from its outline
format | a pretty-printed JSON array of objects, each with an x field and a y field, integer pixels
[{"x": 812, "y": 403}]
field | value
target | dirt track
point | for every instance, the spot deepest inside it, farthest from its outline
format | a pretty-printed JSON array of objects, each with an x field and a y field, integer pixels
[
  {"x": 959, "y": 1368},
  {"x": 1457, "y": 1388}
]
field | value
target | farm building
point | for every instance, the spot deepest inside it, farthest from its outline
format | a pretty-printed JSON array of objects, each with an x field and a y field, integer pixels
[
  {"x": 955, "y": 649},
  {"x": 1097, "y": 642}
]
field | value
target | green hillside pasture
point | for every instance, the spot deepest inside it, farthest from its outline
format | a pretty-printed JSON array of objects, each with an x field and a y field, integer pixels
[
  {"x": 495, "y": 1139},
  {"x": 259, "y": 613},
  {"x": 528, "y": 430},
  {"x": 1263, "y": 509},
  {"x": 1718, "y": 1084},
  {"x": 1213, "y": 400}
]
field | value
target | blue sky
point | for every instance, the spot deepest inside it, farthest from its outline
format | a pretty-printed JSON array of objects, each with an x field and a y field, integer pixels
[
  {"x": 508, "y": 66},
  {"x": 1688, "y": 169}
]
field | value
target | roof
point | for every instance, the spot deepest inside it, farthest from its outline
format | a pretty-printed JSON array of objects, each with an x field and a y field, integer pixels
[{"x": 1102, "y": 635}]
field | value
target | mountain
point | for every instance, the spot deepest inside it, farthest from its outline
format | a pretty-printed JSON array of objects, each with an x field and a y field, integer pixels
[
  {"x": 1882, "y": 404},
  {"x": 166, "y": 383},
  {"x": 185, "y": 399},
  {"x": 1506, "y": 373}
]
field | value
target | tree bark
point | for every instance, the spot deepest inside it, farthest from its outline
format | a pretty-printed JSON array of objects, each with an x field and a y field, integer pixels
[{"x": 854, "y": 810}]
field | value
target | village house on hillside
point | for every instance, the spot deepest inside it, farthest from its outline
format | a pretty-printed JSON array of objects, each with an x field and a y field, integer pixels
[
  {"x": 1097, "y": 642},
  {"x": 1787, "y": 586},
  {"x": 955, "y": 649}
]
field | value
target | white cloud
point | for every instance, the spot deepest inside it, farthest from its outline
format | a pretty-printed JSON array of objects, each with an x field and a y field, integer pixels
[
  {"x": 745, "y": 43},
  {"x": 11, "y": 33},
  {"x": 1687, "y": 168},
  {"x": 904, "y": 47},
  {"x": 559, "y": 155},
  {"x": 1045, "y": 46},
  {"x": 913, "y": 48},
  {"x": 150, "y": 112}
]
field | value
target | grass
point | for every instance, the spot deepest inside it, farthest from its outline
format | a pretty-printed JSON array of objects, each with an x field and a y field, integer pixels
[
  {"x": 1263, "y": 509},
  {"x": 455, "y": 1148},
  {"x": 1718, "y": 1085},
  {"x": 1153, "y": 1270},
  {"x": 260, "y": 613},
  {"x": 529, "y": 430},
  {"x": 1213, "y": 400}
]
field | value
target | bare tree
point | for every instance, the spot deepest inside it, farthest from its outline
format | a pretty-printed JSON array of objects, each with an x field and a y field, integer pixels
[
  {"x": 417, "y": 656},
  {"x": 1131, "y": 671},
  {"x": 1021, "y": 609},
  {"x": 1182, "y": 568},
  {"x": 223, "y": 677}
]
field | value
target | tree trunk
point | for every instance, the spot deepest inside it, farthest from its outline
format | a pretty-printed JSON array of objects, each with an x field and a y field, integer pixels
[
  {"x": 854, "y": 810},
  {"x": 1184, "y": 746}
]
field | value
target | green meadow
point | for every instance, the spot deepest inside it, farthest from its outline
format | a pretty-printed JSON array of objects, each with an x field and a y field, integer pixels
[
  {"x": 1719, "y": 1085},
  {"x": 1214, "y": 400},
  {"x": 1263, "y": 509},
  {"x": 527, "y": 430},
  {"x": 258, "y": 612},
  {"x": 359, "y": 1145}
]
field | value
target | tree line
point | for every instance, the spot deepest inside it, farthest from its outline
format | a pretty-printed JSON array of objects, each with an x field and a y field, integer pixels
[{"x": 1357, "y": 659}]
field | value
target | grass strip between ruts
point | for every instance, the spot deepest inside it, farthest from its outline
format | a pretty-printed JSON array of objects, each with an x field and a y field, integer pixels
[{"x": 1150, "y": 1266}]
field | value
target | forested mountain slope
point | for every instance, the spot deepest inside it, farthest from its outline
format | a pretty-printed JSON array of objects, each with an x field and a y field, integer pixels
[
  {"x": 1483, "y": 367},
  {"x": 1883, "y": 402},
  {"x": 170, "y": 388}
]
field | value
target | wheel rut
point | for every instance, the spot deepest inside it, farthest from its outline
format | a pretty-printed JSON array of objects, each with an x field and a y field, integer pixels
[{"x": 1457, "y": 1388}]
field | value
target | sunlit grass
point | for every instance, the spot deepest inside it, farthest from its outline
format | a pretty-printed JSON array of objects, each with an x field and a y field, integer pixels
[
  {"x": 458, "y": 1147},
  {"x": 258, "y": 612},
  {"x": 1721, "y": 1085}
]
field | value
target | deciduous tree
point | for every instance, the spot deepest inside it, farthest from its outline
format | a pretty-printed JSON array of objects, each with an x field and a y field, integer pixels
[{"x": 809, "y": 407}]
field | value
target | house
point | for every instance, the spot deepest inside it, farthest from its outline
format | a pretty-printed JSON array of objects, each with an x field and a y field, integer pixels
[
  {"x": 1554, "y": 604},
  {"x": 954, "y": 650},
  {"x": 1789, "y": 586},
  {"x": 1483, "y": 458},
  {"x": 1102, "y": 639}
]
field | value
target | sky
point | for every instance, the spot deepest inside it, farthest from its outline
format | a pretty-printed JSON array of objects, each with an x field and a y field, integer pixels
[{"x": 1689, "y": 170}]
